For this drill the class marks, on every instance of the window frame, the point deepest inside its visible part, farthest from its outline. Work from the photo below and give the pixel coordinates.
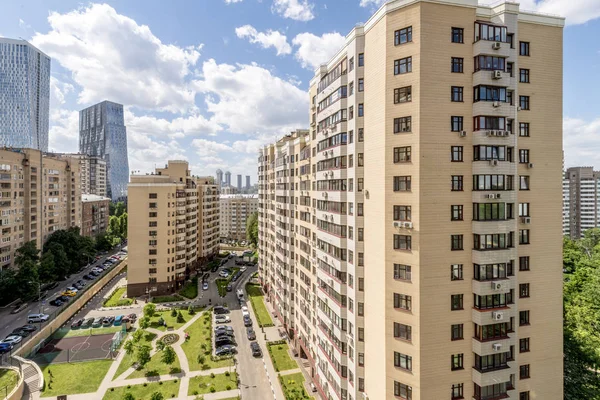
(402, 154)
(404, 92)
(403, 124)
(457, 123)
(401, 63)
(457, 302)
(398, 34)
(457, 151)
(456, 212)
(402, 272)
(524, 75)
(456, 272)
(457, 361)
(457, 332)
(458, 34)
(457, 65)
(524, 49)
(457, 94)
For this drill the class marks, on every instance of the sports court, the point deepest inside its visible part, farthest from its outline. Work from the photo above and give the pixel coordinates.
(78, 348)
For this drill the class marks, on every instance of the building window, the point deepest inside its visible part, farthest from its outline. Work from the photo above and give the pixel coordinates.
(152, 252)
(458, 35)
(361, 284)
(523, 48)
(523, 156)
(456, 272)
(152, 215)
(361, 384)
(524, 371)
(402, 124)
(524, 102)
(403, 66)
(524, 318)
(524, 182)
(524, 263)
(361, 110)
(361, 135)
(361, 234)
(523, 75)
(402, 183)
(457, 93)
(524, 395)
(523, 209)
(403, 35)
(361, 85)
(361, 60)
(402, 331)
(457, 183)
(457, 64)
(456, 302)
(151, 270)
(456, 123)
(403, 361)
(456, 212)
(403, 94)
(402, 272)
(456, 242)
(457, 332)
(361, 309)
(152, 196)
(360, 183)
(402, 242)
(350, 88)
(523, 290)
(523, 345)
(402, 213)
(360, 159)
(401, 154)
(351, 64)
(152, 224)
(456, 153)
(457, 361)
(523, 236)
(523, 128)
(403, 391)
(402, 301)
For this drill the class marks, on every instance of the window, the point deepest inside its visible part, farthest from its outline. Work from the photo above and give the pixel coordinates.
(402, 242)
(523, 236)
(152, 215)
(361, 334)
(403, 391)
(361, 85)
(361, 110)
(523, 128)
(403, 361)
(457, 332)
(489, 63)
(360, 183)
(524, 395)
(458, 35)
(402, 331)
(456, 153)
(524, 263)
(481, 122)
(493, 241)
(350, 88)
(402, 213)
(524, 182)
(524, 290)
(402, 124)
(360, 159)
(351, 64)
(457, 362)
(152, 252)
(524, 318)
(152, 224)
(523, 75)
(509, 68)
(152, 196)
(456, 212)
(524, 102)
(402, 272)
(524, 371)
(489, 93)
(361, 60)
(456, 242)
(523, 156)
(361, 234)
(359, 209)
(457, 64)
(485, 153)
(523, 48)
(402, 301)
(457, 93)
(456, 302)
(456, 272)
(403, 35)
(351, 112)
(151, 270)
(361, 134)
(523, 209)
(403, 94)
(487, 272)
(403, 66)
(457, 183)
(402, 183)
(361, 284)
(485, 31)
(523, 345)
(401, 154)
(456, 123)
(492, 211)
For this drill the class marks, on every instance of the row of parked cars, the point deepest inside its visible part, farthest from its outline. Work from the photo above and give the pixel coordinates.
(15, 337)
(97, 322)
(224, 335)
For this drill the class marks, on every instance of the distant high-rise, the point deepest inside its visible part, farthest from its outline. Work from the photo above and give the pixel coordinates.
(239, 182)
(227, 178)
(580, 201)
(219, 177)
(24, 95)
(247, 181)
(102, 132)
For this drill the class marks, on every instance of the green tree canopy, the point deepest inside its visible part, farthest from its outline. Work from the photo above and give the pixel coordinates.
(252, 228)
(143, 355)
(27, 252)
(168, 355)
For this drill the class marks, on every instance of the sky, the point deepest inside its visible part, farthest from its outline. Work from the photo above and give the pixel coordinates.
(211, 81)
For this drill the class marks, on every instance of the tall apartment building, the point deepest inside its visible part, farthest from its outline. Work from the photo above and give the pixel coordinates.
(227, 178)
(24, 95)
(94, 214)
(239, 182)
(102, 133)
(39, 194)
(235, 210)
(92, 173)
(581, 201)
(173, 220)
(435, 137)
(248, 185)
(219, 177)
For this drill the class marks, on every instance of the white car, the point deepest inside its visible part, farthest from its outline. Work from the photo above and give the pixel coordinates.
(245, 311)
(13, 339)
(243, 268)
(205, 286)
(37, 318)
(222, 319)
(224, 274)
(72, 289)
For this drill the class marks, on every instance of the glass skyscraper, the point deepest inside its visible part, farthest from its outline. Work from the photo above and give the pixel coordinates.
(102, 132)
(24, 95)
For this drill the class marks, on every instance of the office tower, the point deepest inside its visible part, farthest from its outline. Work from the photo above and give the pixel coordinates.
(102, 133)
(235, 210)
(94, 211)
(227, 178)
(219, 177)
(92, 173)
(248, 185)
(24, 95)
(39, 194)
(433, 200)
(239, 182)
(581, 202)
(172, 228)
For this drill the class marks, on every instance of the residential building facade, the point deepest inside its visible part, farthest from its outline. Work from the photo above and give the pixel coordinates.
(433, 205)
(581, 201)
(235, 210)
(102, 133)
(24, 95)
(93, 173)
(94, 214)
(208, 218)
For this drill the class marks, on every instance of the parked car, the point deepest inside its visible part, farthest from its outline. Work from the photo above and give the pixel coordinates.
(31, 318)
(97, 322)
(13, 339)
(64, 298)
(30, 328)
(87, 323)
(77, 324)
(256, 351)
(220, 310)
(229, 288)
(240, 294)
(88, 277)
(118, 320)
(245, 311)
(72, 289)
(243, 268)
(69, 293)
(250, 333)
(225, 328)
(206, 276)
(223, 261)
(222, 334)
(78, 286)
(224, 273)
(222, 319)
(5, 347)
(247, 320)
(19, 308)
(132, 317)
(224, 341)
(56, 302)
(20, 332)
(108, 321)
(225, 350)
(214, 268)
(205, 286)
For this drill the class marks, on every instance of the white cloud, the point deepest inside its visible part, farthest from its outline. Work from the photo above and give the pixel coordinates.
(576, 11)
(146, 153)
(299, 10)
(233, 1)
(206, 147)
(59, 90)
(367, 3)
(174, 128)
(64, 131)
(314, 50)
(112, 57)
(23, 24)
(581, 142)
(266, 39)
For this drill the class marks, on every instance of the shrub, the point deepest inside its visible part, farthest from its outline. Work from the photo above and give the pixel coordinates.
(160, 382)
(201, 359)
(191, 310)
(173, 312)
(112, 389)
(128, 386)
(212, 375)
(212, 390)
(228, 387)
(145, 384)
(227, 373)
(180, 318)
(195, 392)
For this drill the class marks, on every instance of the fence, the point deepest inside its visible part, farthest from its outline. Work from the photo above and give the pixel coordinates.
(9, 362)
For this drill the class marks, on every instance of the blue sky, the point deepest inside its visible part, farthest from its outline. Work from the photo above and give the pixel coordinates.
(212, 80)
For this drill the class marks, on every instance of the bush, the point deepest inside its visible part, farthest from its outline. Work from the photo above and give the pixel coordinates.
(145, 384)
(195, 393)
(180, 318)
(201, 359)
(191, 310)
(160, 382)
(173, 312)
(212, 375)
(228, 387)
(212, 390)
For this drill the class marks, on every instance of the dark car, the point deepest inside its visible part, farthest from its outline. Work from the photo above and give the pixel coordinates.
(87, 277)
(132, 317)
(19, 308)
(5, 347)
(218, 310)
(29, 328)
(256, 351)
(20, 332)
(214, 269)
(87, 323)
(108, 321)
(77, 324)
(229, 288)
(205, 276)
(251, 334)
(64, 299)
(56, 302)
(223, 341)
(223, 334)
(225, 350)
(247, 320)
(223, 328)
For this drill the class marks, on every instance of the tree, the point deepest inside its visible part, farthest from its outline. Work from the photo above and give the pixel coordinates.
(123, 225)
(120, 209)
(7, 286)
(180, 318)
(114, 226)
(128, 396)
(168, 356)
(27, 252)
(46, 269)
(252, 228)
(27, 280)
(160, 345)
(61, 261)
(144, 323)
(103, 242)
(173, 312)
(143, 355)
(149, 310)
(129, 347)
(137, 335)
(157, 396)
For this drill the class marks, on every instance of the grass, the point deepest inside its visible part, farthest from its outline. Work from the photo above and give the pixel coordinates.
(127, 361)
(281, 357)
(223, 282)
(258, 305)
(190, 289)
(293, 386)
(166, 299)
(169, 320)
(86, 332)
(8, 378)
(200, 334)
(206, 383)
(74, 378)
(116, 300)
(169, 390)
(156, 367)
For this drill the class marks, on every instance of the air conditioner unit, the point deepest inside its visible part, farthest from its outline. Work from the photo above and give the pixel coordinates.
(497, 346)
(462, 133)
(330, 282)
(526, 220)
(530, 165)
(490, 133)
(497, 74)
(497, 285)
(408, 225)
(493, 163)
(496, 104)
(498, 195)
(397, 224)
(496, 45)
(490, 196)
(497, 315)
(519, 108)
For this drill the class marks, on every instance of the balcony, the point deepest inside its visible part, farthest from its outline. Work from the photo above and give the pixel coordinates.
(493, 377)
(494, 109)
(492, 48)
(492, 316)
(493, 78)
(485, 288)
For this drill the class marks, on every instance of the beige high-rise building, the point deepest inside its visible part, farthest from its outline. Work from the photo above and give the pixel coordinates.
(39, 194)
(433, 209)
(235, 210)
(95, 213)
(173, 220)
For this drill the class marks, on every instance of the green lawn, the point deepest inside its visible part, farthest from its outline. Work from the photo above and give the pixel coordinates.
(167, 299)
(73, 378)
(258, 304)
(204, 384)
(169, 390)
(115, 299)
(171, 321)
(8, 380)
(190, 289)
(200, 333)
(156, 367)
(127, 361)
(293, 386)
(281, 357)
(86, 332)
